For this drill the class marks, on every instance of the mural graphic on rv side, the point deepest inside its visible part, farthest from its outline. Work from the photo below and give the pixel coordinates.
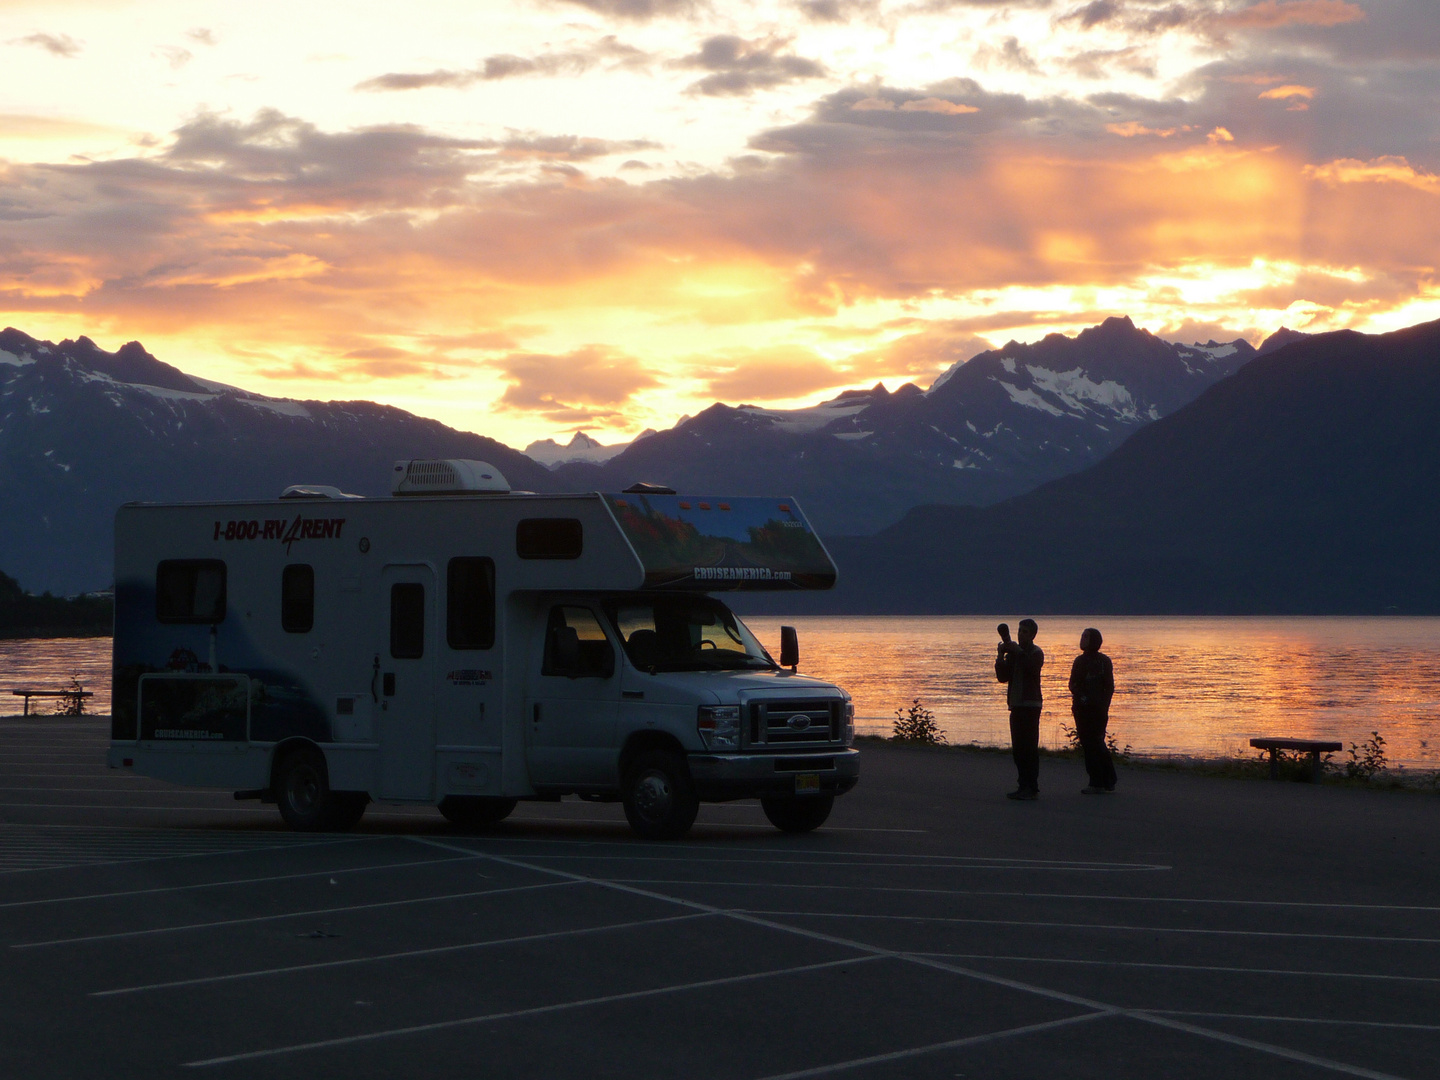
(712, 543)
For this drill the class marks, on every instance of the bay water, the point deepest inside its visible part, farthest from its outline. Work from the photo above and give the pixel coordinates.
(1185, 685)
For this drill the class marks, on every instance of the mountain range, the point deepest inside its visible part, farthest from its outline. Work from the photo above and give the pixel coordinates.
(1307, 482)
(83, 430)
(988, 428)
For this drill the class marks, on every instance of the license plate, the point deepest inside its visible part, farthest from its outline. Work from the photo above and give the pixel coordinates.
(807, 783)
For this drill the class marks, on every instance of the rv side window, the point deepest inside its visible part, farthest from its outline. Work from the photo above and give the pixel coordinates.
(190, 591)
(407, 620)
(576, 646)
(549, 538)
(297, 598)
(470, 603)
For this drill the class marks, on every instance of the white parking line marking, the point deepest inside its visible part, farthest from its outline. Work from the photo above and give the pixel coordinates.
(1010, 893)
(932, 1048)
(955, 969)
(433, 951)
(1298, 1019)
(285, 915)
(1188, 967)
(1115, 927)
(231, 881)
(87, 846)
(538, 1010)
(781, 846)
(976, 863)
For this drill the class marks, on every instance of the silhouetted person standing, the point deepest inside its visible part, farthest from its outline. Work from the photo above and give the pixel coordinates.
(1018, 663)
(1092, 685)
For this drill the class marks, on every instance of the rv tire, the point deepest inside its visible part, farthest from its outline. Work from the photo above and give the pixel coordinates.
(660, 800)
(302, 791)
(346, 810)
(475, 811)
(798, 814)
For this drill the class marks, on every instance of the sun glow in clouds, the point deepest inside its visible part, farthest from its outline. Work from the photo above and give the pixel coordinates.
(526, 217)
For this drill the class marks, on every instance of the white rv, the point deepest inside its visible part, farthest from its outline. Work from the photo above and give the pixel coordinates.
(464, 646)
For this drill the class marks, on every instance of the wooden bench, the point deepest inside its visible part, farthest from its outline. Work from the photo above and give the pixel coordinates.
(74, 696)
(1313, 747)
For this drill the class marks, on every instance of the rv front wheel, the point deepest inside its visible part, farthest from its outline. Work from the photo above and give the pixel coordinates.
(660, 801)
(798, 814)
(302, 791)
(475, 811)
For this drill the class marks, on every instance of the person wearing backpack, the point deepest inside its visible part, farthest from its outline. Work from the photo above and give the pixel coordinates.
(1092, 685)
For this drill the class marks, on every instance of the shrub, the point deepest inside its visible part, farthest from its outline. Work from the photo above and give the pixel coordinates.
(1367, 759)
(916, 724)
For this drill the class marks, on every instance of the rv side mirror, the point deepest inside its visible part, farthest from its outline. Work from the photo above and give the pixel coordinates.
(789, 648)
(567, 650)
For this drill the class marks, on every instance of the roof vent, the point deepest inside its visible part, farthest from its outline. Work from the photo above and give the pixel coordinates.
(316, 491)
(449, 476)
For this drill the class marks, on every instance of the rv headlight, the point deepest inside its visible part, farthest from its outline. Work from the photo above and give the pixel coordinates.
(719, 726)
(849, 723)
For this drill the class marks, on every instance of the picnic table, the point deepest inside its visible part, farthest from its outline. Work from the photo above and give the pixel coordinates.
(74, 696)
(1313, 747)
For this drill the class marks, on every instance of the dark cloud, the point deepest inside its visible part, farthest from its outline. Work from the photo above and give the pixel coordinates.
(55, 44)
(1010, 54)
(739, 66)
(607, 52)
(838, 11)
(640, 10)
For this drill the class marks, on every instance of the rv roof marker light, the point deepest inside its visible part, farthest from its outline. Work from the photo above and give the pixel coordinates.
(622, 504)
(724, 506)
(704, 506)
(316, 491)
(643, 488)
(784, 508)
(684, 506)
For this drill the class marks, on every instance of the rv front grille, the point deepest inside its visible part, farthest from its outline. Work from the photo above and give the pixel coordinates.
(795, 723)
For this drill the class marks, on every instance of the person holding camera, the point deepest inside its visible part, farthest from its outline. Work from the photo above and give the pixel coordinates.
(1018, 664)
(1092, 685)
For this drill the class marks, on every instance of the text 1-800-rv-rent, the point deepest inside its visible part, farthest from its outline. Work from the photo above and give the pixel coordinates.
(465, 646)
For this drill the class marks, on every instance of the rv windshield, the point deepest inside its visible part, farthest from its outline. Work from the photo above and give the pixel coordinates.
(684, 633)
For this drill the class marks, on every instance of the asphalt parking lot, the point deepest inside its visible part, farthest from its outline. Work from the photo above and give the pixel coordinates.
(1185, 927)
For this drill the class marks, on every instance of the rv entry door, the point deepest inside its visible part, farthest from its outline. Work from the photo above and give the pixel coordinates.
(406, 650)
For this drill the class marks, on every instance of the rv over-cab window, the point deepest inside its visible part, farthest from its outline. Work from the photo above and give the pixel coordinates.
(470, 603)
(549, 538)
(407, 620)
(190, 591)
(297, 598)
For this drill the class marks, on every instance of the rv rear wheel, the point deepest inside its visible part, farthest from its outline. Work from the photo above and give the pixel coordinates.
(798, 814)
(660, 801)
(475, 811)
(302, 791)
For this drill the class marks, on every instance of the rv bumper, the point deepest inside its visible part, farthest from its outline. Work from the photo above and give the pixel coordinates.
(748, 776)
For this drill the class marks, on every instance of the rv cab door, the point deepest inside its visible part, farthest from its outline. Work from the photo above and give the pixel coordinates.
(570, 736)
(405, 720)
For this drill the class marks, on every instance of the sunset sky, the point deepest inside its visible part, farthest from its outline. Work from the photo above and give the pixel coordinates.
(529, 217)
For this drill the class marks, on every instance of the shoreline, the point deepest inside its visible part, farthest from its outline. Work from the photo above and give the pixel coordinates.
(1245, 767)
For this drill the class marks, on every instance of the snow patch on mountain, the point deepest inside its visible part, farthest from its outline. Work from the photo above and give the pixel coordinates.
(1075, 389)
(805, 421)
(1029, 398)
(282, 406)
(581, 447)
(15, 361)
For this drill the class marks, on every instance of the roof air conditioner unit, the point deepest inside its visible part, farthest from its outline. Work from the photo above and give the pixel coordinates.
(448, 476)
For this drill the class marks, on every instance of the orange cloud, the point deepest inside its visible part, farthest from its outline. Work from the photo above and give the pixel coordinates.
(1290, 90)
(1270, 14)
